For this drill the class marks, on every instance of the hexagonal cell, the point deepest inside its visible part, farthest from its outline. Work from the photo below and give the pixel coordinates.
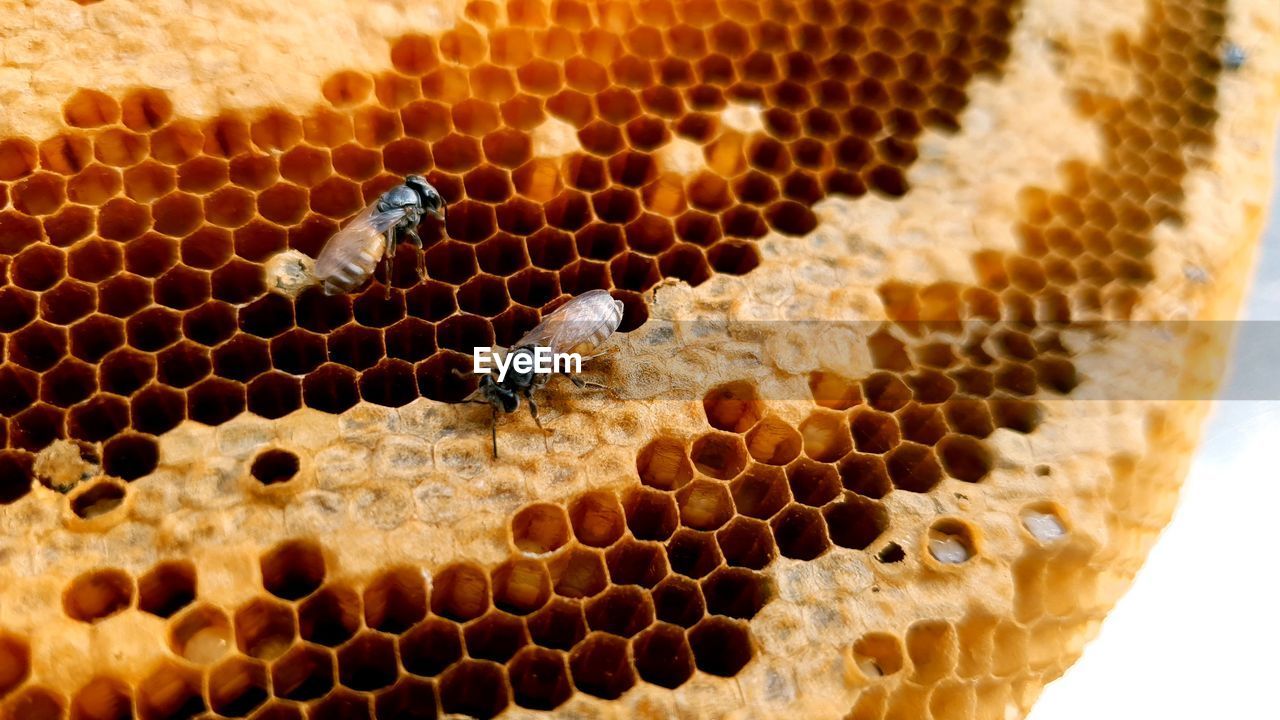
(578, 573)
(878, 654)
(38, 703)
(540, 528)
(38, 346)
(430, 647)
(952, 541)
(651, 515)
(597, 518)
(496, 636)
(521, 586)
(410, 699)
(98, 499)
(800, 532)
(601, 667)
(719, 455)
(855, 522)
(15, 662)
(167, 588)
(476, 688)
(913, 468)
(274, 395)
(330, 616)
(634, 562)
(368, 662)
(721, 646)
(622, 611)
(396, 599)
(102, 698)
(237, 687)
(201, 635)
(965, 458)
(97, 594)
(560, 624)
(69, 382)
(293, 569)
(171, 691)
(304, 673)
(460, 592)
(265, 628)
(813, 483)
(704, 504)
(760, 492)
(734, 406)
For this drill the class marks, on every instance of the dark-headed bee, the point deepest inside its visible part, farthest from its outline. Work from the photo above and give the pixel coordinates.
(579, 327)
(350, 256)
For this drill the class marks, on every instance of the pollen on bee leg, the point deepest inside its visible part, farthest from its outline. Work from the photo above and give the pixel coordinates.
(288, 273)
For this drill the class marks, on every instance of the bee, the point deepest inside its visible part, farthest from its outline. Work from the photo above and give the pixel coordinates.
(350, 256)
(579, 326)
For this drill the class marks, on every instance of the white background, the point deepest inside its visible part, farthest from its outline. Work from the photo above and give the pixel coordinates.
(1198, 635)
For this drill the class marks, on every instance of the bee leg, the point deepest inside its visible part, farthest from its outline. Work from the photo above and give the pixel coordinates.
(589, 384)
(422, 255)
(533, 410)
(493, 431)
(388, 259)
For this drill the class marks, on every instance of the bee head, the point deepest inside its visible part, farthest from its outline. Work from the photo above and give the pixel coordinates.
(497, 395)
(432, 203)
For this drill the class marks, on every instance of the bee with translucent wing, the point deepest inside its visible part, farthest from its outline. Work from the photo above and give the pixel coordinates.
(580, 326)
(350, 256)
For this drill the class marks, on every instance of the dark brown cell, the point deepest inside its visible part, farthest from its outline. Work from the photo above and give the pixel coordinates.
(855, 522)
(409, 699)
(69, 382)
(800, 533)
(560, 624)
(304, 673)
(747, 542)
(98, 419)
(477, 688)
(663, 656)
(167, 588)
(274, 394)
(721, 646)
(496, 636)
(103, 698)
(171, 691)
(693, 553)
(330, 616)
(601, 667)
(622, 610)
(430, 647)
(368, 662)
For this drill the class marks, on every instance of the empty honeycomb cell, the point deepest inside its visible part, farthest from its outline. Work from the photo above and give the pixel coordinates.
(855, 522)
(102, 698)
(356, 162)
(203, 175)
(578, 573)
(623, 610)
(17, 158)
(539, 679)
(800, 532)
(241, 358)
(237, 687)
(157, 409)
(600, 241)
(721, 646)
(36, 427)
(297, 351)
(94, 185)
(39, 194)
(601, 666)
(330, 616)
(704, 504)
(410, 699)
(293, 569)
(265, 628)
(560, 624)
(304, 673)
(878, 654)
(885, 391)
(760, 492)
(182, 364)
(153, 329)
(94, 260)
(97, 594)
(356, 347)
(736, 592)
(521, 586)
(201, 634)
(651, 515)
(718, 455)
(913, 468)
(98, 499)
(129, 456)
(67, 153)
(476, 688)
(813, 483)
(874, 432)
(636, 563)
(693, 553)
(17, 475)
(120, 148)
(430, 647)
(965, 458)
(37, 703)
(631, 271)
(18, 388)
(38, 267)
(368, 662)
(69, 382)
(253, 171)
(15, 662)
(390, 383)
(226, 136)
(540, 528)
(496, 636)
(773, 441)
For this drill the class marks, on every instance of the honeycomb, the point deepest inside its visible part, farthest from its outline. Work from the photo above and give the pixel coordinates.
(223, 501)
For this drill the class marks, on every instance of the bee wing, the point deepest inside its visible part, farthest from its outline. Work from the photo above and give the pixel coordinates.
(347, 245)
(579, 326)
